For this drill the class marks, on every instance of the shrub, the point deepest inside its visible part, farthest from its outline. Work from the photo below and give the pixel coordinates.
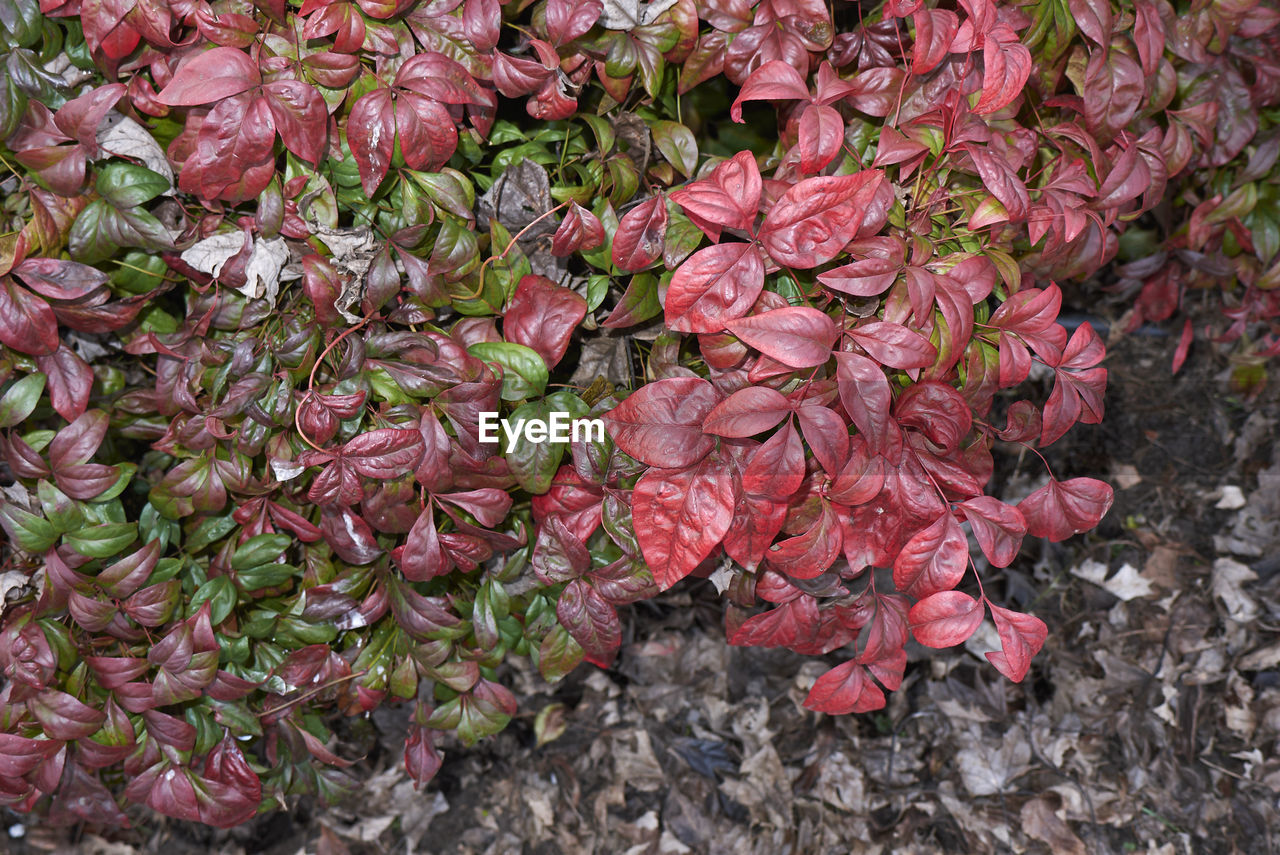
(269, 268)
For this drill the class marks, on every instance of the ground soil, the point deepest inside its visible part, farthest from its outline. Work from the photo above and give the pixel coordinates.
(1148, 724)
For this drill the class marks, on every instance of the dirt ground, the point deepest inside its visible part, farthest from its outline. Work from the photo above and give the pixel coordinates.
(1148, 724)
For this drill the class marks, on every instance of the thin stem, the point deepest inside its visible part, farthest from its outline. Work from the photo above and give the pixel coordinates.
(317, 690)
(473, 295)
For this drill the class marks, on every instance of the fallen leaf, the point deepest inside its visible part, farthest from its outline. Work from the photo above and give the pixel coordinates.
(1232, 498)
(1229, 577)
(1042, 822)
(1127, 583)
(123, 137)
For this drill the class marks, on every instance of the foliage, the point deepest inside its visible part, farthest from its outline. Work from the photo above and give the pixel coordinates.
(269, 263)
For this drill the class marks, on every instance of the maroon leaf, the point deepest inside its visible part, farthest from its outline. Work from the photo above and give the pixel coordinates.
(798, 336)
(866, 396)
(809, 554)
(27, 323)
(591, 621)
(945, 619)
(581, 231)
(569, 19)
(371, 133)
(300, 117)
(384, 453)
(933, 560)
(70, 381)
(1021, 637)
(226, 766)
(420, 757)
(543, 316)
(64, 717)
(58, 279)
(77, 442)
(681, 515)
(639, 239)
(815, 218)
(716, 285)
(747, 412)
(441, 79)
(422, 557)
(661, 422)
(1060, 509)
(349, 535)
(998, 527)
(828, 436)
(210, 76)
(729, 197)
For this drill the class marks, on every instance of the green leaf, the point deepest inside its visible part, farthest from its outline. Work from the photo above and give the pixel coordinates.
(20, 399)
(533, 464)
(220, 593)
(265, 576)
(209, 531)
(58, 507)
(126, 185)
(677, 144)
(524, 372)
(597, 290)
(31, 533)
(102, 541)
(558, 654)
(101, 230)
(259, 550)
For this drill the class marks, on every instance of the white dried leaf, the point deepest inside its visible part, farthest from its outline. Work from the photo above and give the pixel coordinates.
(1232, 498)
(1229, 578)
(286, 470)
(262, 273)
(1127, 583)
(123, 137)
(629, 14)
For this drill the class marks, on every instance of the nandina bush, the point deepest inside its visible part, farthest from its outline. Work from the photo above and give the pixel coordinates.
(269, 263)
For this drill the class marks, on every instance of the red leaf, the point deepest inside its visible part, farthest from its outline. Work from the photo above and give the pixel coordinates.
(427, 133)
(581, 231)
(821, 136)
(210, 76)
(28, 324)
(440, 78)
(781, 626)
(862, 477)
(772, 81)
(559, 555)
(543, 316)
(1148, 35)
(828, 436)
(798, 336)
(809, 554)
(998, 527)
(638, 242)
(776, 469)
(729, 197)
(937, 411)
(716, 285)
(934, 559)
(895, 345)
(935, 28)
(945, 619)
(680, 517)
(227, 766)
(349, 535)
(591, 621)
(371, 133)
(811, 223)
(1095, 20)
(420, 758)
(1003, 183)
(1061, 509)
(1184, 345)
(384, 453)
(756, 521)
(1006, 65)
(845, 689)
(300, 117)
(1021, 637)
(747, 412)
(865, 393)
(661, 422)
(868, 277)
(569, 19)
